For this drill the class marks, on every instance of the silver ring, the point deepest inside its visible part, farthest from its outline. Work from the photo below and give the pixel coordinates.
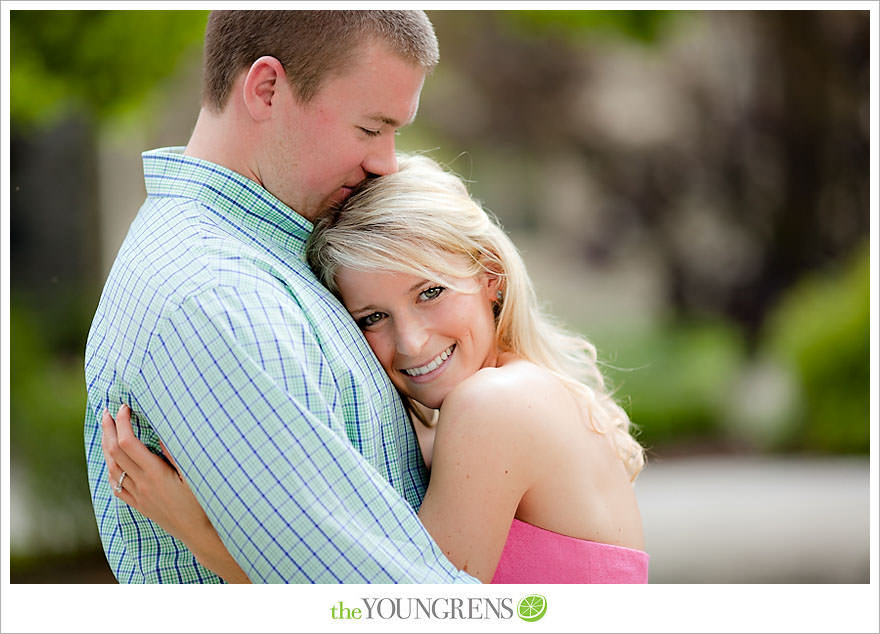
(118, 487)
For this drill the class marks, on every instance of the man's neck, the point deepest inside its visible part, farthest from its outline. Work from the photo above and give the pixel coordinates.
(221, 139)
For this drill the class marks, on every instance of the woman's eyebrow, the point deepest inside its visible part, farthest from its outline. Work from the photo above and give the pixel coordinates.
(417, 284)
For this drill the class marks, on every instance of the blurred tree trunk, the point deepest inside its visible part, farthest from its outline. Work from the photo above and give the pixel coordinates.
(818, 62)
(54, 230)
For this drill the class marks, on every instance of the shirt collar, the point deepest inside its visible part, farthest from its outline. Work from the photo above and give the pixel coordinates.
(245, 203)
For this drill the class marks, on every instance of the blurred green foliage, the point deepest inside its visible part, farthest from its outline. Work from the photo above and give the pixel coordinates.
(102, 62)
(820, 331)
(47, 404)
(639, 26)
(672, 381)
(678, 382)
(47, 401)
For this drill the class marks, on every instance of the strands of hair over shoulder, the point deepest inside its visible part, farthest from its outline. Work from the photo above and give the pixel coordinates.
(411, 222)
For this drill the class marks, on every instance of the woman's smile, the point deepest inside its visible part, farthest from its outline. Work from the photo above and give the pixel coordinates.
(432, 369)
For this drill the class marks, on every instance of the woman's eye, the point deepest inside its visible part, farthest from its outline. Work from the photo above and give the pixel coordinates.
(431, 293)
(369, 132)
(369, 320)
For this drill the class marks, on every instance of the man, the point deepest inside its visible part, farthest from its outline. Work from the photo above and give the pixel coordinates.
(227, 348)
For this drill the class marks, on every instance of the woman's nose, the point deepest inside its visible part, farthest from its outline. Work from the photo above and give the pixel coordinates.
(410, 336)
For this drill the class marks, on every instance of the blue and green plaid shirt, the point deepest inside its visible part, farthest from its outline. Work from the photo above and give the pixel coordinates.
(212, 327)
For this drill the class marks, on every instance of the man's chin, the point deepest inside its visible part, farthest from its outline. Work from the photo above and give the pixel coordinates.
(327, 211)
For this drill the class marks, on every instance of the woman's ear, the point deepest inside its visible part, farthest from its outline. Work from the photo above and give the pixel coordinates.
(494, 293)
(262, 85)
(492, 286)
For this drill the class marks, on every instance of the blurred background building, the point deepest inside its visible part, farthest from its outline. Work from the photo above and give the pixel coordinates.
(689, 189)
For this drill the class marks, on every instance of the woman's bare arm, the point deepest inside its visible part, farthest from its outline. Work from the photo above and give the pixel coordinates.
(481, 469)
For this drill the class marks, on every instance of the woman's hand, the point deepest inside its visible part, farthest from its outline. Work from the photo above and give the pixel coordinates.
(150, 485)
(147, 483)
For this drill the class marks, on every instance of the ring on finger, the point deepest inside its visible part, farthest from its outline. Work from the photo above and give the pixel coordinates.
(118, 487)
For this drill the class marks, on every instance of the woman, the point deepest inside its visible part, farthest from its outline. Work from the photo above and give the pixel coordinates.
(532, 461)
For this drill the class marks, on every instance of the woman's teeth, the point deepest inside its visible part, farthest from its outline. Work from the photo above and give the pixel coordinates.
(433, 365)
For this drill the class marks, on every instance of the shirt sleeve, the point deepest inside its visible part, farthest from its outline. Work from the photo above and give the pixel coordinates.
(233, 385)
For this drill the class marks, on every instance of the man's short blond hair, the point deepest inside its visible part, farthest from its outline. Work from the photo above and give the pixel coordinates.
(311, 45)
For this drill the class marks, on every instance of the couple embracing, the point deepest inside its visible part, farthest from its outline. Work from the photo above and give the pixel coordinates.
(325, 361)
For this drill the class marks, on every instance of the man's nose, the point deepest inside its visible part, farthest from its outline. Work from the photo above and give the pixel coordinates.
(382, 159)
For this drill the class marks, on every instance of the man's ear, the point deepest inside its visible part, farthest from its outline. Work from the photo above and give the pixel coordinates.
(262, 84)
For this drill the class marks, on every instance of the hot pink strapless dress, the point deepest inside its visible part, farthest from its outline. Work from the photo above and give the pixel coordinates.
(536, 555)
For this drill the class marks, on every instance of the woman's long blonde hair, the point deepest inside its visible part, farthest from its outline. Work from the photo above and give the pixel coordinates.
(410, 222)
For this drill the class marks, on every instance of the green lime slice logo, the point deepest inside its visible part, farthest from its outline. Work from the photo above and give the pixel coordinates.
(532, 607)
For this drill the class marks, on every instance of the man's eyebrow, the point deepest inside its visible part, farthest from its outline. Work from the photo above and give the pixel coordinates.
(394, 123)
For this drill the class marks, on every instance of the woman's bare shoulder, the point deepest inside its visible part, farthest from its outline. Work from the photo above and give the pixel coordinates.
(515, 396)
